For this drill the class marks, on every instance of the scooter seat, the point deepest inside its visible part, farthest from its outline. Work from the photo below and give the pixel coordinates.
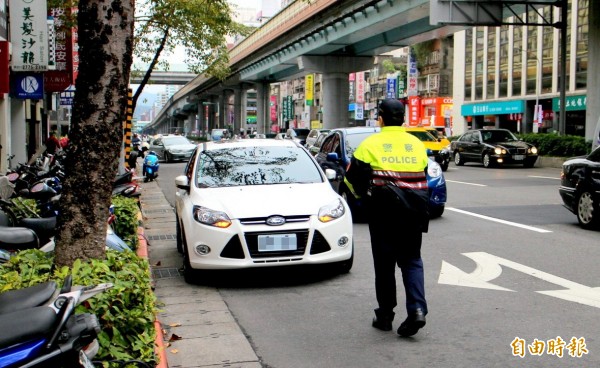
(24, 325)
(18, 238)
(29, 297)
(44, 227)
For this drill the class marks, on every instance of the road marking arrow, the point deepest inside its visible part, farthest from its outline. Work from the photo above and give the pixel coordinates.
(489, 267)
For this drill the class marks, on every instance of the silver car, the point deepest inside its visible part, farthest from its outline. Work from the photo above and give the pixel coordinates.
(170, 148)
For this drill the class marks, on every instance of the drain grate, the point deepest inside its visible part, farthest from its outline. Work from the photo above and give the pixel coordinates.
(159, 211)
(162, 237)
(165, 273)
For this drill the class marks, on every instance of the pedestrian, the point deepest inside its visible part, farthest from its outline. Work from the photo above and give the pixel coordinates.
(52, 143)
(388, 170)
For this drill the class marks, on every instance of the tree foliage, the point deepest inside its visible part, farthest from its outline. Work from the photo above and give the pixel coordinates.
(197, 26)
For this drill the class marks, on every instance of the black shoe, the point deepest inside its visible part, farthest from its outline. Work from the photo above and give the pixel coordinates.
(412, 323)
(383, 321)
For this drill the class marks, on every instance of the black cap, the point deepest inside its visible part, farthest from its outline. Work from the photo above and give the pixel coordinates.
(391, 111)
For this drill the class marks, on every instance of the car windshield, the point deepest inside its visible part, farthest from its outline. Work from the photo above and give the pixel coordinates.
(497, 136)
(240, 166)
(169, 141)
(423, 136)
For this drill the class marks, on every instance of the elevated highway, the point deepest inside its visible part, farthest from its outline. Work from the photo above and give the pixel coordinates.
(330, 37)
(163, 77)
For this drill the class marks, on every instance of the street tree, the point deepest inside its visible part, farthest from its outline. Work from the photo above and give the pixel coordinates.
(105, 30)
(199, 27)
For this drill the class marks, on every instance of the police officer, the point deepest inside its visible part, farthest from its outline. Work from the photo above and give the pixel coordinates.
(388, 171)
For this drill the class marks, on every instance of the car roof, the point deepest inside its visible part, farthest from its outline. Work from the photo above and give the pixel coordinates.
(357, 130)
(260, 142)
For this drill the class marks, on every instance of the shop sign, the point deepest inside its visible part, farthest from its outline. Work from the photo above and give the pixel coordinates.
(4, 67)
(391, 87)
(493, 108)
(309, 83)
(28, 86)
(359, 112)
(360, 87)
(29, 31)
(572, 103)
(66, 52)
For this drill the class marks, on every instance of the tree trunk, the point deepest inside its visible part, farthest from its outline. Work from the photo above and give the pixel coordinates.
(105, 31)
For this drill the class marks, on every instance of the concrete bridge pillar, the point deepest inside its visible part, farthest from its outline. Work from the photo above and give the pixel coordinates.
(335, 89)
(262, 103)
(222, 101)
(237, 110)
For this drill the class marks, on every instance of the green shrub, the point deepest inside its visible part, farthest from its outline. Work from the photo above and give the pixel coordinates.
(126, 311)
(127, 221)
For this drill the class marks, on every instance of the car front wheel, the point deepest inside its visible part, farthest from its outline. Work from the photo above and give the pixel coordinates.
(178, 238)
(487, 161)
(458, 160)
(168, 157)
(587, 211)
(346, 266)
(435, 212)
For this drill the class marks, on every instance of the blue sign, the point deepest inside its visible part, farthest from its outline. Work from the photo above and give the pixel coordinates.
(29, 86)
(493, 108)
(391, 88)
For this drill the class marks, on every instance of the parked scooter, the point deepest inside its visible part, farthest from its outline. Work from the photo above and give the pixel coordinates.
(39, 327)
(150, 167)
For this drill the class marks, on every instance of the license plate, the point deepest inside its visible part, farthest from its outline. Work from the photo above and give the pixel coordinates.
(84, 360)
(518, 157)
(277, 242)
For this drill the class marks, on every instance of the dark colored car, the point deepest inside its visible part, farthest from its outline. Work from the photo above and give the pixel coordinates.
(580, 188)
(337, 150)
(172, 147)
(297, 134)
(492, 147)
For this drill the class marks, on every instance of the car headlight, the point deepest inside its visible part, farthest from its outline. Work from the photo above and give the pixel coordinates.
(434, 169)
(211, 217)
(533, 150)
(499, 151)
(332, 211)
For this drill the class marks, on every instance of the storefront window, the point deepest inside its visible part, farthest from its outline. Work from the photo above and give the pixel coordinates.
(503, 76)
(491, 64)
(479, 46)
(533, 63)
(547, 53)
(517, 60)
(582, 44)
(468, 63)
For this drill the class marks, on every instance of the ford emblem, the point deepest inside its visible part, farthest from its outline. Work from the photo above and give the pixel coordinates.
(275, 220)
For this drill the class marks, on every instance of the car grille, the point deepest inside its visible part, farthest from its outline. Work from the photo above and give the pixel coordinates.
(252, 241)
(263, 220)
(520, 151)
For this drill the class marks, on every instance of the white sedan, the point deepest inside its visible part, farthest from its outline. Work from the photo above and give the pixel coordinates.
(259, 203)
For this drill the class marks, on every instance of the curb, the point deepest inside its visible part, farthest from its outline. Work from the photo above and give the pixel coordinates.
(160, 350)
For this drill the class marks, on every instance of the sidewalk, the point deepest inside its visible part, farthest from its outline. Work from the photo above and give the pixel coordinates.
(199, 330)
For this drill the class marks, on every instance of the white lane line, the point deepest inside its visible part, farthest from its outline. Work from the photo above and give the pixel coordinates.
(463, 182)
(510, 223)
(543, 177)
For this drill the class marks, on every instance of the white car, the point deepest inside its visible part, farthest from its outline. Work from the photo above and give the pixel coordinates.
(259, 203)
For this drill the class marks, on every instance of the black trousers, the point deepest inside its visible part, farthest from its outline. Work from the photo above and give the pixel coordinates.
(397, 243)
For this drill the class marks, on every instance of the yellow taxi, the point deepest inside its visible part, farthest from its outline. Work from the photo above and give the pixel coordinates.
(437, 146)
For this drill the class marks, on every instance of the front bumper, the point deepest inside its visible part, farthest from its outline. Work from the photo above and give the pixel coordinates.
(236, 247)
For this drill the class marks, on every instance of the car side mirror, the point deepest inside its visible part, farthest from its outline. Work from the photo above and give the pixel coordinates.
(182, 182)
(333, 157)
(330, 174)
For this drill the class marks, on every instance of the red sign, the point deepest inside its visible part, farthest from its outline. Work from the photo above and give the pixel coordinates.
(4, 68)
(66, 54)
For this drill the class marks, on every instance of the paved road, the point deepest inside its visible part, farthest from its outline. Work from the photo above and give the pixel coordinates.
(506, 263)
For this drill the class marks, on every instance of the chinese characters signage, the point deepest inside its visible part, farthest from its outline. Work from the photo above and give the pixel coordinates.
(572, 103)
(309, 83)
(360, 88)
(66, 55)
(29, 33)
